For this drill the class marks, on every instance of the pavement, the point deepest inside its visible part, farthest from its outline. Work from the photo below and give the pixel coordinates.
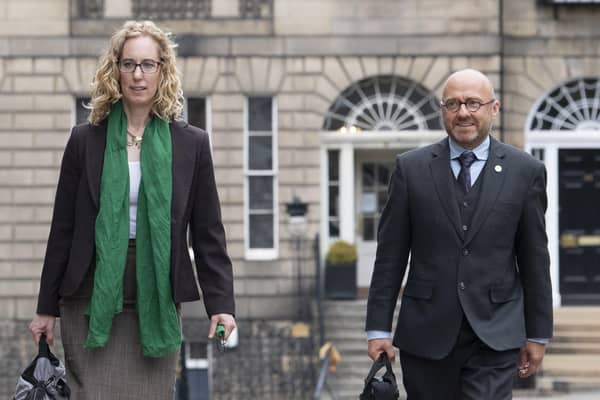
(595, 395)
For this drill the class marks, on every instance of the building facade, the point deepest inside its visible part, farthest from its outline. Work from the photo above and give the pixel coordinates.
(310, 99)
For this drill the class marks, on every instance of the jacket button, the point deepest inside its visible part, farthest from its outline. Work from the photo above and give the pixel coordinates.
(465, 252)
(464, 227)
(461, 286)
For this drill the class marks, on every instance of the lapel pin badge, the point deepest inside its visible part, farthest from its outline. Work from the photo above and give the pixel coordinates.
(498, 168)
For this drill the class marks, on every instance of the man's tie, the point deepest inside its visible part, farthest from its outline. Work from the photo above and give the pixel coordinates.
(464, 176)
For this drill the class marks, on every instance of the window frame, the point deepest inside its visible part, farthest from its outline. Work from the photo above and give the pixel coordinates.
(264, 253)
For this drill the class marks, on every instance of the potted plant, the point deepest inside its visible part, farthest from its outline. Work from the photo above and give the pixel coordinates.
(340, 271)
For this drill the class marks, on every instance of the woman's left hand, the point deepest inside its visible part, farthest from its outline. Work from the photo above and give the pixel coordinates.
(227, 320)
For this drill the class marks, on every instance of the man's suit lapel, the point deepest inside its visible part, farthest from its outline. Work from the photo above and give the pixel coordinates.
(444, 184)
(94, 156)
(494, 173)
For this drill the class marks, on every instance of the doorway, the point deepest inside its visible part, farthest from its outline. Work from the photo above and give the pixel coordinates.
(579, 225)
(373, 172)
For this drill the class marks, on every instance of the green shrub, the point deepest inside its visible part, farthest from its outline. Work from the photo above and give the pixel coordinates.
(341, 252)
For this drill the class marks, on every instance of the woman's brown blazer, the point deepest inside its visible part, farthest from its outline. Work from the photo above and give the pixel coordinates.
(195, 204)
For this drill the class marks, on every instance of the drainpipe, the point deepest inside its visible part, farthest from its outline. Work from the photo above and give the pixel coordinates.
(501, 50)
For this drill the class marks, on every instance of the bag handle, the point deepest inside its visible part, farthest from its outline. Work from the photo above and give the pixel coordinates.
(382, 361)
(43, 347)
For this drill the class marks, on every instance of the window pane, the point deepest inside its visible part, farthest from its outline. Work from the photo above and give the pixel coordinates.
(368, 228)
(334, 165)
(260, 156)
(259, 113)
(261, 231)
(261, 192)
(334, 201)
(334, 228)
(81, 113)
(368, 175)
(384, 175)
(196, 111)
(382, 196)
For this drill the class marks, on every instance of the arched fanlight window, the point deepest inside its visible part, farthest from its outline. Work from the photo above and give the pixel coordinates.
(384, 103)
(574, 105)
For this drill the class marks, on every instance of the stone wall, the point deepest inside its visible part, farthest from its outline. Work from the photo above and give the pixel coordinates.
(544, 47)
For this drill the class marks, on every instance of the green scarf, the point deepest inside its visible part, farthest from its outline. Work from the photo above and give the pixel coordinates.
(159, 322)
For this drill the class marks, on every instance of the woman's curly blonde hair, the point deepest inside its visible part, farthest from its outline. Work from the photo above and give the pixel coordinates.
(106, 89)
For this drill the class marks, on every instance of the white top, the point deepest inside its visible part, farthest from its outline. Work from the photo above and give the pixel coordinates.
(135, 177)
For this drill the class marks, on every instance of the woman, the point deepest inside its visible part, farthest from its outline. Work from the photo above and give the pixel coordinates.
(117, 266)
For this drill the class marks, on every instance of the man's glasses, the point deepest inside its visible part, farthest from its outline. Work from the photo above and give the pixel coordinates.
(146, 66)
(473, 105)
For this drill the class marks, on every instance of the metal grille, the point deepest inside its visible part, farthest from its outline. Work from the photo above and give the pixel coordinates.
(172, 9)
(268, 364)
(572, 106)
(91, 8)
(179, 9)
(384, 103)
(256, 9)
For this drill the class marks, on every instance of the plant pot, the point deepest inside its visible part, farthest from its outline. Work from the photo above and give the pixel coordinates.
(340, 281)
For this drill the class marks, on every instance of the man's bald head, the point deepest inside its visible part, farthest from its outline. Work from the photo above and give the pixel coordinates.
(470, 76)
(469, 126)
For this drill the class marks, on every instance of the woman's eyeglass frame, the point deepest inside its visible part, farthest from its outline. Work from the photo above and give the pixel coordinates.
(147, 66)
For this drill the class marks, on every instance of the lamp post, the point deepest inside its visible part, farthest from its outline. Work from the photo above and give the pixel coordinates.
(296, 211)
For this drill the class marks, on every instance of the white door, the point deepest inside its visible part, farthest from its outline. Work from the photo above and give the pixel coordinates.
(372, 178)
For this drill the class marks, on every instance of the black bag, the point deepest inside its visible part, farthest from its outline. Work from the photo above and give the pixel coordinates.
(380, 387)
(44, 378)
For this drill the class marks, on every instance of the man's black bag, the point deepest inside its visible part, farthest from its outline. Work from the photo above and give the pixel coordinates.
(44, 378)
(380, 387)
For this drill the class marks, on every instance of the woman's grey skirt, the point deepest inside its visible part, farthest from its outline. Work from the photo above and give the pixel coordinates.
(117, 371)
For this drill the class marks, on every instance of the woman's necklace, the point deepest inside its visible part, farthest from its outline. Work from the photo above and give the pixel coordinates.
(135, 140)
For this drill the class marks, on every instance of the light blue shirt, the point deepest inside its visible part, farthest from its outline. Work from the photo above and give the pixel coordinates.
(482, 151)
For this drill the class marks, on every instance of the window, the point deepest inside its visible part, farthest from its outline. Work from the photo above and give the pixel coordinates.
(375, 178)
(81, 113)
(196, 112)
(260, 184)
(384, 103)
(334, 193)
(571, 106)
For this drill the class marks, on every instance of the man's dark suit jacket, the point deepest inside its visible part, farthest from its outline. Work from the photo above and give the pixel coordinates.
(195, 203)
(496, 273)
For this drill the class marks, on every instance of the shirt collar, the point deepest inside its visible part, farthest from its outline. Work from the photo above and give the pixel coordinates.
(480, 151)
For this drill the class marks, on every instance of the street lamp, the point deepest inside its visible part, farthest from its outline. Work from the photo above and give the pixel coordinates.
(296, 211)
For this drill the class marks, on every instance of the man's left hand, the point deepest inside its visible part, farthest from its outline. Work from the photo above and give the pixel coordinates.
(227, 320)
(530, 358)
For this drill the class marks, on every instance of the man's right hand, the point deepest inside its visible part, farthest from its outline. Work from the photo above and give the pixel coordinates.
(42, 324)
(378, 346)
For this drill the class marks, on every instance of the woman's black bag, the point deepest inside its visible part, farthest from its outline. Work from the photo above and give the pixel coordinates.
(380, 387)
(44, 378)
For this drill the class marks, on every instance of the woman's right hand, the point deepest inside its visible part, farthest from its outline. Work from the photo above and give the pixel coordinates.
(42, 324)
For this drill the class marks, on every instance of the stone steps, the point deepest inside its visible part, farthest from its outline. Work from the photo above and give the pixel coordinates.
(572, 361)
(345, 328)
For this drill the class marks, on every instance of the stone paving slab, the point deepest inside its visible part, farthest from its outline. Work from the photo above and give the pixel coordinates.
(595, 395)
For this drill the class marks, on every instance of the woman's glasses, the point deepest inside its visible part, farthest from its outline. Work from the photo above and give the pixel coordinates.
(146, 66)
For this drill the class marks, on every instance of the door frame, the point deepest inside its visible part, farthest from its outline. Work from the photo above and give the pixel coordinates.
(550, 142)
(347, 143)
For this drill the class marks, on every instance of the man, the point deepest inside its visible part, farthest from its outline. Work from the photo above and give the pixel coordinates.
(470, 212)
